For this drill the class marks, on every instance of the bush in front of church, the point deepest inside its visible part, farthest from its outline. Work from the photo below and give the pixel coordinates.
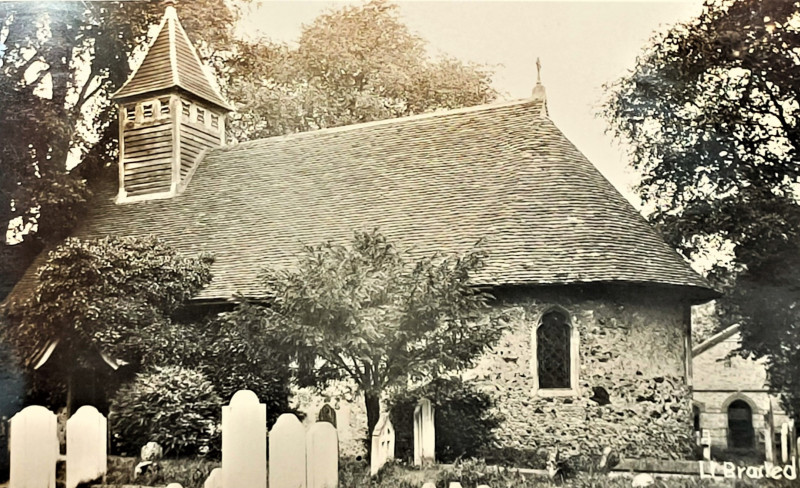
(174, 406)
(463, 419)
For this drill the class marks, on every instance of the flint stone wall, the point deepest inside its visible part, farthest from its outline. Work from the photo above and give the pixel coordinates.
(632, 344)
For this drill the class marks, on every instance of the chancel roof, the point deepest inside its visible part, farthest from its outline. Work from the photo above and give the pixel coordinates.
(503, 175)
(171, 62)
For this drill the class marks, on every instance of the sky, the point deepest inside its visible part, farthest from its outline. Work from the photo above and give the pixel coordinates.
(582, 45)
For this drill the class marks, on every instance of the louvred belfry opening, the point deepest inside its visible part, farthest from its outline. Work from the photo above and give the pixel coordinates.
(169, 113)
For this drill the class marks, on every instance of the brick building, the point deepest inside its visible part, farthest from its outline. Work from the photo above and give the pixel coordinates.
(732, 399)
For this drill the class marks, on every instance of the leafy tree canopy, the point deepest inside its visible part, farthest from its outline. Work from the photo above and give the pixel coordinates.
(712, 116)
(113, 294)
(370, 313)
(59, 61)
(354, 64)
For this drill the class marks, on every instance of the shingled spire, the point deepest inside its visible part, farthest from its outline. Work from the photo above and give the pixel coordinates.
(170, 113)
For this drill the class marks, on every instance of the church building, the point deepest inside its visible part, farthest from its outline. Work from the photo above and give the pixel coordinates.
(598, 352)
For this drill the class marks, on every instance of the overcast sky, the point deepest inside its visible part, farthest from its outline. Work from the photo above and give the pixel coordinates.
(582, 45)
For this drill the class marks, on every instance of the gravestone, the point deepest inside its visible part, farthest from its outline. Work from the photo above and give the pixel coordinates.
(34, 448)
(327, 414)
(785, 442)
(705, 442)
(287, 453)
(87, 438)
(244, 441)
(382, 444)
(424, 434)
(322, 456)
(214, 479)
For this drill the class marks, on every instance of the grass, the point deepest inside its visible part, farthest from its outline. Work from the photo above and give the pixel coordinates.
(189, 472)
(192, 473)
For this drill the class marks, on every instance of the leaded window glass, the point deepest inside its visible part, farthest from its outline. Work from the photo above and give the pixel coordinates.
(553, 351)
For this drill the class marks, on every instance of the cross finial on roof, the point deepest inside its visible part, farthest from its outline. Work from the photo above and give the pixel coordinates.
(538, 71)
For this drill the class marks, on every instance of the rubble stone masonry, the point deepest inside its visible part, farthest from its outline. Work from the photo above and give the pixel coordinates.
(632, 346)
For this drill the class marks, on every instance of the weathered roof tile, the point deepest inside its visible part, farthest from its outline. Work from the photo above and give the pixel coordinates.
(501, 174)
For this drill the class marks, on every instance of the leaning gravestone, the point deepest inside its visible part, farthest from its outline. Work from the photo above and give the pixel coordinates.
(322, 456)
(87, 435)
(34, 448)
(287, 453)
(382, 444)
(424, 434)
(244, 442)
(327, 414)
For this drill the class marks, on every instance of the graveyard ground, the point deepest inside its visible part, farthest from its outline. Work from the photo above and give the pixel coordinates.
(192, 472)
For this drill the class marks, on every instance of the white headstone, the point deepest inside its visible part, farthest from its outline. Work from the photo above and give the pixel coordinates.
(322, 456)
(785, 442)
(429, 484)
(483, 486)
(214, 479)
(424, 434)
(33, 445)
(705, 441)
(769, 444)
(174, 485)
(287, 453)
(382, 444)
(87, 453)
(455, 484)
(244, 441)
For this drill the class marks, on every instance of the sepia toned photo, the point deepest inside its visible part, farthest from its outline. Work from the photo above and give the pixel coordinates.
(396, 243)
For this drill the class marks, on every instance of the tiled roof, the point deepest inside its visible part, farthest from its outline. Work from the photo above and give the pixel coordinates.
(503, 174)
(171, 62)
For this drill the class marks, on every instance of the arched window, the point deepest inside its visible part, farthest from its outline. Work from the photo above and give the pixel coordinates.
(554, 364)
(740, 425)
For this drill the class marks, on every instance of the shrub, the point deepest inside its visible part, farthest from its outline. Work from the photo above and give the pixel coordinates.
(174, 406)
(463, 419)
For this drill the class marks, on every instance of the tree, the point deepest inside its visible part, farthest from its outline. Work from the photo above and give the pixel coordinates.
(369, 313)
(114, 295)
(711, 115)
(59, 62)
(354, 64)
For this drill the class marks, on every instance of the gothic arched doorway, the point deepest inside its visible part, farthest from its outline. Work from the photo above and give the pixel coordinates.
(741, 434)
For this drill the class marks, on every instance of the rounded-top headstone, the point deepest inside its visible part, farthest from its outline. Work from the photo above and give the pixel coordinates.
(327, 414)
(244, 397)
(174, 485)
(86, 410)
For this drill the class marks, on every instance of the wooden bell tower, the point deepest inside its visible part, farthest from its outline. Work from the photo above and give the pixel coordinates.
(169, 113)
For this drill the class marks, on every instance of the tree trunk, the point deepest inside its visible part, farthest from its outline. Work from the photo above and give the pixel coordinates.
(373, 404)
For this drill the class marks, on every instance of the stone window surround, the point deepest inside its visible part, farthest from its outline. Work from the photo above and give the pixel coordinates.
(574, 356)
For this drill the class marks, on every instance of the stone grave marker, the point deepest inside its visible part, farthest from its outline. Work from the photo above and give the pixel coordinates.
(424, 433)
(382, 443)
(244, 441)
(322, 456)
(34, 448)
(327, 414)
(87, 449)
(287, 453)
(214, 479)
(785, 442)
(705, 442)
